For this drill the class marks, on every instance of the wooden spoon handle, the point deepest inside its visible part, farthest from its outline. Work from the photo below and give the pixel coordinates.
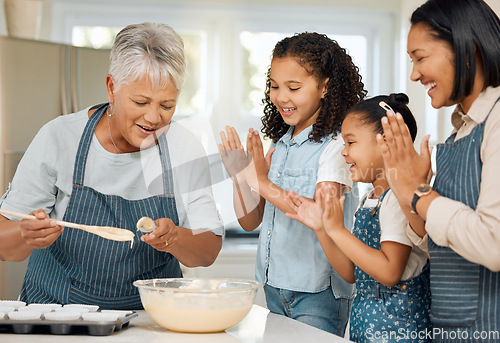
(16, 214)
(88, 228)
(59, 222)
(107, 232)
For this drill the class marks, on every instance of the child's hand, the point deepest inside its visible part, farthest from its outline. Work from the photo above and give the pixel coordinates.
(258, 170)
(333, 215)
(233, 155)
(307, 211)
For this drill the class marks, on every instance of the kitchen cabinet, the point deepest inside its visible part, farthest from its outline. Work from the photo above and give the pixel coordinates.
(39, 81)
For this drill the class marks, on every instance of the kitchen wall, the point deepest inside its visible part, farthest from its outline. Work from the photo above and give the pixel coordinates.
(48, 5)
(430, 120)
(53, 29)
(427, 118)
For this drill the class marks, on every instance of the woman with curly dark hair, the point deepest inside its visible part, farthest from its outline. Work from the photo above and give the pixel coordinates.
(311, 84)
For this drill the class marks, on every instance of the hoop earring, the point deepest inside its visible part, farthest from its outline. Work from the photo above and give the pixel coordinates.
(111, 110)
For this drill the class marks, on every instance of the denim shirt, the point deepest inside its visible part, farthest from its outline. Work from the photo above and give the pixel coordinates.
(289, 255)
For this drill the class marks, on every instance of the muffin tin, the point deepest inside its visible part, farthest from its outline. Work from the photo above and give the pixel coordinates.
(63, 322)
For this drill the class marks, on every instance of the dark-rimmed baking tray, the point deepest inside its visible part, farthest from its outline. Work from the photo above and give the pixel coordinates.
(70, 327)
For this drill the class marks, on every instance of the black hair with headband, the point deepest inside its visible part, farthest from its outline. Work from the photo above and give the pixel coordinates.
(370, 112)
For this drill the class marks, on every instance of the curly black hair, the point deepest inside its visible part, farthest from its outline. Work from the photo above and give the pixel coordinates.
(323, 58)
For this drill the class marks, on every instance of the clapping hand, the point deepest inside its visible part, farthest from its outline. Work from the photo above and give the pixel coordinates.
(259, 168)
(234, 157)
(405, 167)
(307, 211)
(333, 215)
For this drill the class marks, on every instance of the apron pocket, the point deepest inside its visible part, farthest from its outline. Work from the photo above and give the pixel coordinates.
(395, 305)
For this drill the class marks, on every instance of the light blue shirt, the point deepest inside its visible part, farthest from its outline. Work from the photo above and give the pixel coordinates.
(289, 255)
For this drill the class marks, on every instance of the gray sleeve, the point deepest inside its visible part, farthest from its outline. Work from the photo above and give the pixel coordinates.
(33, 185)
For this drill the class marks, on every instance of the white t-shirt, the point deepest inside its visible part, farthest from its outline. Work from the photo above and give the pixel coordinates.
(44, 177)
(393, 227)
(332, 165)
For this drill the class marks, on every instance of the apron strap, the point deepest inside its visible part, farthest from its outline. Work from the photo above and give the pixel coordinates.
(84, 145)
(168, 180)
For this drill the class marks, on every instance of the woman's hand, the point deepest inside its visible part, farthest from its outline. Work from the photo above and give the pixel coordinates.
(233, 155)
(333, 215)
(164, 237)
(192, 248)
(257, 171)
(307, 211)
(405, 168)
(40, 233)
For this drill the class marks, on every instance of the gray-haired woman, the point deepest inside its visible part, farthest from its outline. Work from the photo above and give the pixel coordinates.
(110, 165)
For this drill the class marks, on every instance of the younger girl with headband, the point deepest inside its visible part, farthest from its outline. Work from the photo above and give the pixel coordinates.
(391, 273)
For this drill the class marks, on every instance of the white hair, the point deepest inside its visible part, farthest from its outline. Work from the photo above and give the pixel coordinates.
(149, 50)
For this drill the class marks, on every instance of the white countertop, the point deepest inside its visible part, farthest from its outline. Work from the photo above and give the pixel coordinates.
(258, 326)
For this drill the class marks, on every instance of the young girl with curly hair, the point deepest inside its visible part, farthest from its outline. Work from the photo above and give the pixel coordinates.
(311, 84)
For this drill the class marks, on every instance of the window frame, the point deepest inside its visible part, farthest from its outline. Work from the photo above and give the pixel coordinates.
(223, 24)
(223, 53)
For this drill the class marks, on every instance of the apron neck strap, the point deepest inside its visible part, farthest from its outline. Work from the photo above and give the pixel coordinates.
(86, 140)
(84, 145)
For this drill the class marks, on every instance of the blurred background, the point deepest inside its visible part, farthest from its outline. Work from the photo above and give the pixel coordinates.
(54, 59)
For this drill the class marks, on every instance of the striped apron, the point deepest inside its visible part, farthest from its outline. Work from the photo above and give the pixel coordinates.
(84, 268)
(465, 295)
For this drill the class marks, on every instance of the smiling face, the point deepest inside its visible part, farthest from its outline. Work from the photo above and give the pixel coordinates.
(361, 151)
(433, 64)
(139, 112)
(295, 93)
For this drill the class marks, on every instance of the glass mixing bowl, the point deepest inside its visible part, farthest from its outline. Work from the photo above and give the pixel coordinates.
(197, 305)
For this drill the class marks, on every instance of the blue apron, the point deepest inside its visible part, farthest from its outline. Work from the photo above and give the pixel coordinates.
(387, 314)
(84, 268)
(465, 295)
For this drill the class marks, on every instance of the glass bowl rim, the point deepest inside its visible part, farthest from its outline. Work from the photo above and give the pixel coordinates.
(252, 285)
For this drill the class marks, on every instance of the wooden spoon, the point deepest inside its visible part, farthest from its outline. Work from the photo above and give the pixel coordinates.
(108, 232)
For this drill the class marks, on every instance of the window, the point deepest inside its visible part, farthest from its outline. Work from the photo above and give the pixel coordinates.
(257, 48)
(192, 97)
(228, 51)
(97, 37)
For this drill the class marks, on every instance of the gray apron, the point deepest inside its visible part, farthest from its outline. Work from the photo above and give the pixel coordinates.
(465, 295)
(87, 269)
